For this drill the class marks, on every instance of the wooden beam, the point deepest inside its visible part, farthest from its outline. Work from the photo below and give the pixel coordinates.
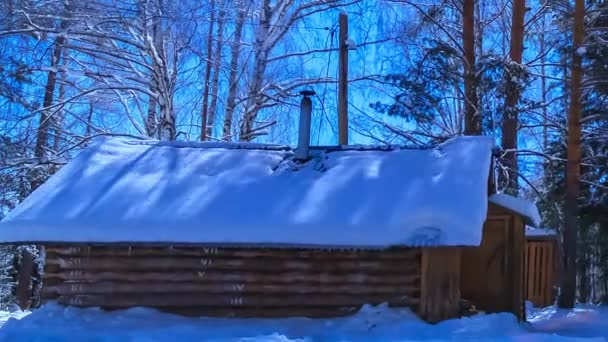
(228, 264)
(215, 276)
(517, 267)
(197, 299)
(107, 287)
(266, 312)
(343, 81)
(399, 254)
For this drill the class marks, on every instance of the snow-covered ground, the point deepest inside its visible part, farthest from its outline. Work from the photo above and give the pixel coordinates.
(55, 323)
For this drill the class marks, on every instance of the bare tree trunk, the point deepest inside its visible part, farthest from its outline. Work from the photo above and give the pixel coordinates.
(232, 78)
(254, 99)
(209, 63)
(42, 135)
(168, 121)
(543, 85)
(58, 120)
(511, 112)
(459, 108)
(573, 164)
(164, 78)
(479, 34)
(151, 28)
(216, 67)
(151, 121)
(89, 120)
(584, 285)
(472, 124)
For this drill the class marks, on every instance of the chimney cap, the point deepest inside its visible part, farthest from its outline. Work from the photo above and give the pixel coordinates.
(307, 92)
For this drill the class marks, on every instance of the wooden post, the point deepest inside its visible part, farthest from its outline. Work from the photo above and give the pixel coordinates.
(343, 82)
(516, 260)
(491, 177)
(440, 284)
(24, 280)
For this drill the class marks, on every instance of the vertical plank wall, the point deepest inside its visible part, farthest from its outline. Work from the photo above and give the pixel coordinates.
(440, 284)
(540, 275)
(492, 274)
(485, 277)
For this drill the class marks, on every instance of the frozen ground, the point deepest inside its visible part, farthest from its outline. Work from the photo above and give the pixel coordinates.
(54, 323)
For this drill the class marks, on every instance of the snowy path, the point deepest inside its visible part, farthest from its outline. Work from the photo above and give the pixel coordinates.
(54, 323)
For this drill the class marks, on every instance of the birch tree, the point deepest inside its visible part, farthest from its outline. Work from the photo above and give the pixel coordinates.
(217, 62)
(235, 54)
(275, 19)
(208, 69)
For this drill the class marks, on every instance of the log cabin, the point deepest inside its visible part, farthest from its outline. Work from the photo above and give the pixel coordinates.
(255, 230)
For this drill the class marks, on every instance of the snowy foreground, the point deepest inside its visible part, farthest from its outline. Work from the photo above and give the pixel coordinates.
(55, 323)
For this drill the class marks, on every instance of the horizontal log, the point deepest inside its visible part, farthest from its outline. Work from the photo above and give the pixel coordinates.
(252, 312)
(549, 239)
(227, 277)
(74, 288)
(231, 252)
(46, 296)
(212, 263)
(266, 312)
(259, 301)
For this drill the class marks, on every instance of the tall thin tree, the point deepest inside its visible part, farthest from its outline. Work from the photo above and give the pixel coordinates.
(472, 118)
(573, 164)
(510, 120)
(208, 67)
(233, 85)
(42, 135)
(216, 70)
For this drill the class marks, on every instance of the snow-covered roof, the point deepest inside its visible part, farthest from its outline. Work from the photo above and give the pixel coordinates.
(119, 190)
(526, 208)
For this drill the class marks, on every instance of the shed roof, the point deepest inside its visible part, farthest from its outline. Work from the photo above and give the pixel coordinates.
(526, 208)
(135, 191)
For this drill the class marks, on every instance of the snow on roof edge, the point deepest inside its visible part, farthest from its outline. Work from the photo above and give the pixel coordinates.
(393, 147)
(279, 147)
(203, 144)
(524, 207)
(540, 232)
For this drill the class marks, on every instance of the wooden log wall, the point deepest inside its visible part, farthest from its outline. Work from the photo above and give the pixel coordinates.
(236, 282)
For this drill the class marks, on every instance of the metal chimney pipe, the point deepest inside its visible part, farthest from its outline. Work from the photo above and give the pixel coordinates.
(301, 152)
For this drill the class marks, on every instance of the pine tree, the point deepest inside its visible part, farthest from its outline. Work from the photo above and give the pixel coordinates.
(511, 112)
(568, 289)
